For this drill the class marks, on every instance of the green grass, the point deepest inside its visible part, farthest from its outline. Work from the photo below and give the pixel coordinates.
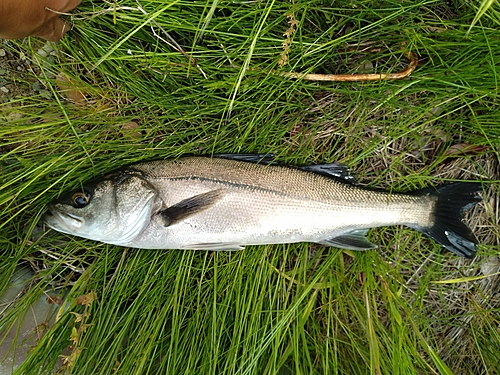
(407, 308)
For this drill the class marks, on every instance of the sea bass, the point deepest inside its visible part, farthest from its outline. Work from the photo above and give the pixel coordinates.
(229, 201)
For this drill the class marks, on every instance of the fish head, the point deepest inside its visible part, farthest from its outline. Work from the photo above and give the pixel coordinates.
(113, 210)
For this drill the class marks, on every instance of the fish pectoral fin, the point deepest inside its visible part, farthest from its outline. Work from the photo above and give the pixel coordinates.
(265, 159)
(190, 206)
(354, 240)
(216, 246)
(337, 171)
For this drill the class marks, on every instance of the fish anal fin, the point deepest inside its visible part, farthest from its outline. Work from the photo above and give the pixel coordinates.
(216, 246)
(337, 171)
(190, 206)
(354, 240)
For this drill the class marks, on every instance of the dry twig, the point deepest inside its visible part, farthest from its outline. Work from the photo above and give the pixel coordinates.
(410, 56)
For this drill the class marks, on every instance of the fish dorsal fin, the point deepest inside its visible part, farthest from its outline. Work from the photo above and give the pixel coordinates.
(337, 171)
(190, 206)
(354, 240)
(265, 159)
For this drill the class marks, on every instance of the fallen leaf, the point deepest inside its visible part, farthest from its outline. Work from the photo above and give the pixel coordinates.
(130, 130)
(461, 149)
(54, 300)
(86, 299)
(69, 89)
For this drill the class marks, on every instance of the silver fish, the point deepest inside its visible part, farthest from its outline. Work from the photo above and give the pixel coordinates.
(227, 202)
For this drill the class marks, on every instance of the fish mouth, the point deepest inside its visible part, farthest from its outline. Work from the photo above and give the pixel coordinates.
(62, 221)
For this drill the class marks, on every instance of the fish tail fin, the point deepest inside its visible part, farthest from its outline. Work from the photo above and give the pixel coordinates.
(449, 230)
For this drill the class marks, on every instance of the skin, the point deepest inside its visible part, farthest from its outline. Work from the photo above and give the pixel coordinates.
(22, 18)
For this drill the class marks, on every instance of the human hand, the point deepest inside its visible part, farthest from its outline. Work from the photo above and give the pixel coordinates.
(22, 18)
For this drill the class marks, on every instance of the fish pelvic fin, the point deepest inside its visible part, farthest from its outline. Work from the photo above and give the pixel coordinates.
(449, 230)
(216, 246)
(190, 206)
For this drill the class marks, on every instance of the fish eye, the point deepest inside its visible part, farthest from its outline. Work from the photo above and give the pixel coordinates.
(80, 199)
